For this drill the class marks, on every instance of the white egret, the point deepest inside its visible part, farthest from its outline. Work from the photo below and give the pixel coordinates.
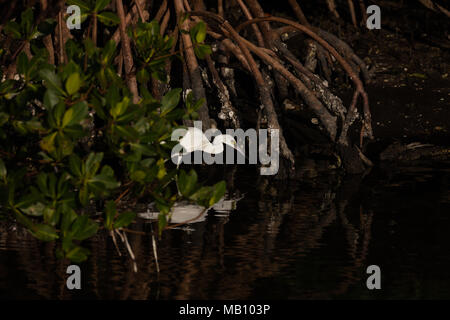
(196, 140)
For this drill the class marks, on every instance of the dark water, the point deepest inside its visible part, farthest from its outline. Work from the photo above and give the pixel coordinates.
(306, 239)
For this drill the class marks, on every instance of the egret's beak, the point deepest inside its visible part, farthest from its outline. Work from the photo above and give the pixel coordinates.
(239, 149)
(232, 143)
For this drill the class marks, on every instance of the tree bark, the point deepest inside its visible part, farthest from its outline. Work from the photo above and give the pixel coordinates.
(127, 55)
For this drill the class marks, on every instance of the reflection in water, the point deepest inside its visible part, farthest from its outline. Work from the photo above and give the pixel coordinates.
(188, 213)
(311, 238)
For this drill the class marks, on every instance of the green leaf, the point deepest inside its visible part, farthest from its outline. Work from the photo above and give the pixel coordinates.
(105, 179)
(41, 181)
(202, 195)
(77, 254)
(202, 50)
(107, 171)
(48, 143)
(143, 149)
(219, 190)
(162, 222)
(108, 18)
(124, 219)
(83, 228)
(69, 216)
(110, 214)
(58, 112)
(34, 125)
(4, 117)
(127, 132)
(44, 232)
(418, 75)
(108, 51)
(142, 76)
(198, 32)
(186, 183)
(68, 115)
(83, 196)
(108, 181)
(51, 80)
(120, 107)
(22, 63)
(13, 28)
(51, 98)
(73, 83)
(35, 210)
(52, 185)
(75, 165)
(138, 175)
(75, 114)
(51, 216)
(154, 28)
(93, 163)
(100, 5)
(19, 126)
(64, 144)
(170, 101)
(83, 5)
(27, 21)
(161, 169)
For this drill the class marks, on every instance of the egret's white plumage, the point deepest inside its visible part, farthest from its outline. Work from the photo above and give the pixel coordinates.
(196, 140)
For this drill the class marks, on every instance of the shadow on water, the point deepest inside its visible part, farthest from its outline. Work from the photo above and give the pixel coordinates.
(310, 238)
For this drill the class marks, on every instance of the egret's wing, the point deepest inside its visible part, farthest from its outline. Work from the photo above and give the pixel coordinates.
(192, 140)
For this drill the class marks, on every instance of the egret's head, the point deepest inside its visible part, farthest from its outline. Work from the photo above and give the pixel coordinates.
(229, 140)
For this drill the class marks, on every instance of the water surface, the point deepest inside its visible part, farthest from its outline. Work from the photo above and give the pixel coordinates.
(309, 238)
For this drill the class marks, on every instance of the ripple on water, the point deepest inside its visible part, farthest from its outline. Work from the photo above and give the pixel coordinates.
(307, 239)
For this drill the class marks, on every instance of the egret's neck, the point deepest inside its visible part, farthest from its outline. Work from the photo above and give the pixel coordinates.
(216, 146)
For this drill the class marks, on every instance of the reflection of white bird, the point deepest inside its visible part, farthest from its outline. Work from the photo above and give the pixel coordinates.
(180, 212)
(196, 140)
(185, 212)
(225, 206)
